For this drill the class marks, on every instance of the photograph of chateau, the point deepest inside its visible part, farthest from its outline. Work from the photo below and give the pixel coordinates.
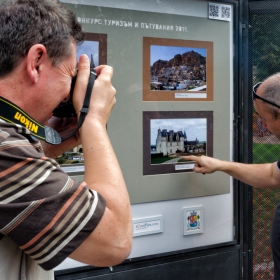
(173, 138)
(177, 68)
(170, 135)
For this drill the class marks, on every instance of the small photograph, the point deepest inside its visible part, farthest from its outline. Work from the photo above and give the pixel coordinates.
(95, 47)
(177, 70)
(91, 49)
(171, 139)
(169, 136)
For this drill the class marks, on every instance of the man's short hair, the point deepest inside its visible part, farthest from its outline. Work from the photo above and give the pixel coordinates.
(24, 23)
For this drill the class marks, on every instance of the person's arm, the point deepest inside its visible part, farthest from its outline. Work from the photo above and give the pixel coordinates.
(65, 127)
(257, 175)
(111, 241)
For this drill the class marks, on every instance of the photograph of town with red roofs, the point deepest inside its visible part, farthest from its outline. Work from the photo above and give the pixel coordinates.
(170, 139)
(177, 68)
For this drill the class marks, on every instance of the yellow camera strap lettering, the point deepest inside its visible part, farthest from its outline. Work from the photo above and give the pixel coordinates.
(11, 113)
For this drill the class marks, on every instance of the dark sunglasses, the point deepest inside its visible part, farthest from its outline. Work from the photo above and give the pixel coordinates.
(255, 96)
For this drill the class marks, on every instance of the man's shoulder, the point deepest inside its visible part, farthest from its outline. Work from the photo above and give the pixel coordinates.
(17, 136)
(8, 130)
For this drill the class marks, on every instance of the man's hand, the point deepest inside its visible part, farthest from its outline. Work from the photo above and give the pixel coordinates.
(103, 93)
(204, 164)
(65, 127)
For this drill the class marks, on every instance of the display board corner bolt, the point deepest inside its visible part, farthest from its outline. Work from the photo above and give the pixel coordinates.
(245, 26)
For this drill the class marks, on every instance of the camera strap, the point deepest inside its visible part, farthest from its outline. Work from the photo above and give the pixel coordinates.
(11, 113)
(85, 108)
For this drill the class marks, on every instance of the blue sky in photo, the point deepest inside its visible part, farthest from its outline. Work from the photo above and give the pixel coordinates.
(168, 52)
(194, 128)
(89, 48)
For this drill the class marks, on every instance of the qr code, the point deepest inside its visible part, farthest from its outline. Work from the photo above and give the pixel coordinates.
(213, 11)
(219, 11)
(225, 12)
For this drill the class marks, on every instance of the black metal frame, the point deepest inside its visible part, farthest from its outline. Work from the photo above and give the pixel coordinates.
(208, 264)
(245, 153)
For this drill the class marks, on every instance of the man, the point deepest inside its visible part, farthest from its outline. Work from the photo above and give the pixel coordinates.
(45, 215)
(266, 97)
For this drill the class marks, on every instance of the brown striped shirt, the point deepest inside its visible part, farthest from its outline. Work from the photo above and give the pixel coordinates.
(43, 211)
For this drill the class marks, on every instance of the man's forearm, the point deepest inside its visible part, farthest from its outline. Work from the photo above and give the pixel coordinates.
(102, 170)
(256, 175)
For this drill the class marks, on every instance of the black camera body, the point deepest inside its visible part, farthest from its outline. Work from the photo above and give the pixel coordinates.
(66, 109)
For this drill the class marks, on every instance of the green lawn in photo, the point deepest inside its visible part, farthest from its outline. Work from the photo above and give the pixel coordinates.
(159, 160)
(163, 159)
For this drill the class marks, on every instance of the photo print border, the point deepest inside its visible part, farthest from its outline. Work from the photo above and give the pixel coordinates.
(154, 169)
(176, 95)
(102, 48)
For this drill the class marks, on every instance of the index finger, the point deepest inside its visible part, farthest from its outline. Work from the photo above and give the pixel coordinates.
(104, 69)
(193, 158)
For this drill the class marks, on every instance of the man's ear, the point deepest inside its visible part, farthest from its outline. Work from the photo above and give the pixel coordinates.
(36, 56)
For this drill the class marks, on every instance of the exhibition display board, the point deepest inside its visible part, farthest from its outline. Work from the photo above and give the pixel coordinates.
(173, 72)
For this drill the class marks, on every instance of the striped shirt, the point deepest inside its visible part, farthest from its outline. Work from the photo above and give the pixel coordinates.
(43, 211)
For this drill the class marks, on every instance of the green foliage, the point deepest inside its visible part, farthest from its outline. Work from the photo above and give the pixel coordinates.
(264, 42)
(61, 160)
(264, 153)
(265, 45)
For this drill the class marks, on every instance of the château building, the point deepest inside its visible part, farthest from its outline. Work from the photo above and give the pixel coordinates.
(170, 142)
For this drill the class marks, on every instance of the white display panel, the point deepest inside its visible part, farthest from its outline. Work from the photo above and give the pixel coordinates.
(218, 216)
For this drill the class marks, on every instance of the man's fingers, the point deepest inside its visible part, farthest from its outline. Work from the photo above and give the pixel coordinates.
(106, 70)
(190, 158)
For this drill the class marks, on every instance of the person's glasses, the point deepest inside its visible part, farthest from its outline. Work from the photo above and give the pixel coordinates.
(255, 96)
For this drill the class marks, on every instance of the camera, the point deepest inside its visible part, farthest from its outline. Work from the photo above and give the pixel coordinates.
(66, 109)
